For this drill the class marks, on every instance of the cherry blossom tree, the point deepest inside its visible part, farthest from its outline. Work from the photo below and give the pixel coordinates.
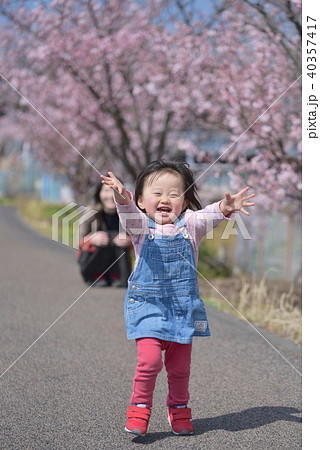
(256, 52)
(123, 84)
(108, 79)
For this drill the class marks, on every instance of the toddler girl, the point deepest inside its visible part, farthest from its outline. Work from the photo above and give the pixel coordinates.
(163, 309)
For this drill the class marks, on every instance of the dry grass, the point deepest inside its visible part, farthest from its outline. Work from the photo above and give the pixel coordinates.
(271, 304)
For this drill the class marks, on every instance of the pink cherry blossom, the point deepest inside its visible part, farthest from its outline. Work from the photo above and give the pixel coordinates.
(126, 85)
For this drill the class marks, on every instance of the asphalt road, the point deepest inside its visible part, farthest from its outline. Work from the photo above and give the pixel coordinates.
(71, 386)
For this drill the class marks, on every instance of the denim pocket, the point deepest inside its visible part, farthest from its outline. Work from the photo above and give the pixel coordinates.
(199, 318)
(135, 303)
(167, 266)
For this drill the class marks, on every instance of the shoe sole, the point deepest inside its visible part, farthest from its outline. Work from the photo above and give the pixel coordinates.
(137, 432)
(183, 433)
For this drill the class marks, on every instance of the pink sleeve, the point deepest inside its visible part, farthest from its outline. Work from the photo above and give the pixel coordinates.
(200, 222)
(134, 221)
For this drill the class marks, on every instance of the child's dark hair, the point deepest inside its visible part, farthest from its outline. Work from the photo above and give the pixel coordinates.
(175, 167)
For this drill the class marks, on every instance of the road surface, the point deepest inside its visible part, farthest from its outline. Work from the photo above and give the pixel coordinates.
(67, 367)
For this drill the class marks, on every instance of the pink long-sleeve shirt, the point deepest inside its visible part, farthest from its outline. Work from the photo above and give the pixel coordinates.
(198, 224)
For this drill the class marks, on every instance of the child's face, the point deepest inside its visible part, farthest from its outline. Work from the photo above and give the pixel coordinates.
(106, 197)
(163, 197)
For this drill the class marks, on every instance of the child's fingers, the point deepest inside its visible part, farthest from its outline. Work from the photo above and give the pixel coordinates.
(243, 191)
(244, 212)
(249, 204)
(249, 196)
(113, 183)
(112, 176)
(108, 180)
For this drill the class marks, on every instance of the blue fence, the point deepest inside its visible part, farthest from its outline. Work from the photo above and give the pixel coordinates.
(33, 182)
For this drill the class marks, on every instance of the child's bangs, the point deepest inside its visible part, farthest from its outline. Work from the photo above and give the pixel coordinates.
(155, 175)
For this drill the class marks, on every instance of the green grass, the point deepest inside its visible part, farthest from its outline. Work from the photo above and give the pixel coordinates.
(8, 201)
(212, 263)
(38, 214)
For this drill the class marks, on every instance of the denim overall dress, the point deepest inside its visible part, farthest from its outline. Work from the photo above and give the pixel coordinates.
(162, 300)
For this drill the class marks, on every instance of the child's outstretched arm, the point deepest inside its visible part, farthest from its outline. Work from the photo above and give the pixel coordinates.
(236, 202)
(120, 193)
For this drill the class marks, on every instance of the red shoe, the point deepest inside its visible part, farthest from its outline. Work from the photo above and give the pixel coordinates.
(138, 419)
(180, 420)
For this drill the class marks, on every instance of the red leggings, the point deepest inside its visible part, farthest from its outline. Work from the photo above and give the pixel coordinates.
(177, 362)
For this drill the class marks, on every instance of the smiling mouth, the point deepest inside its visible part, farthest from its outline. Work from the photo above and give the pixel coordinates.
(164, 209)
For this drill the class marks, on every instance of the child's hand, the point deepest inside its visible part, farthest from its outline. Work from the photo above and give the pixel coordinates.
(236, 202)
(120, 192)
